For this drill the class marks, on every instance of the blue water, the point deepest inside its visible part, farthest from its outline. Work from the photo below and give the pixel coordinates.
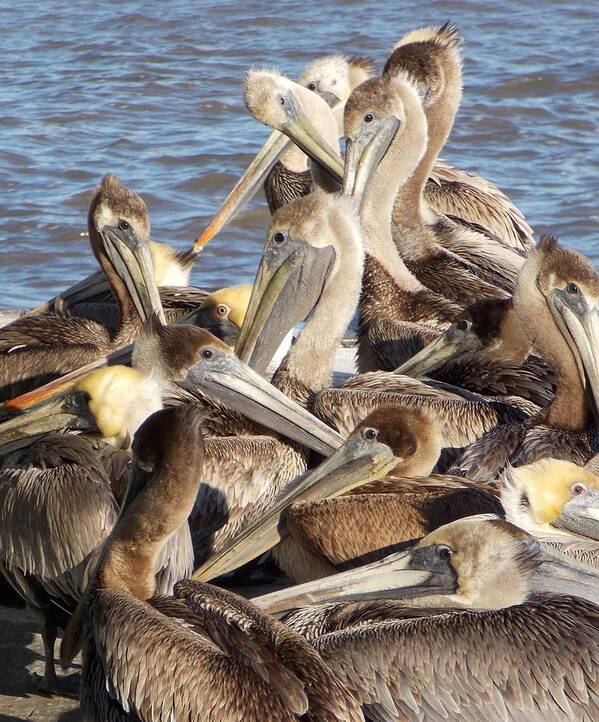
(153, 92)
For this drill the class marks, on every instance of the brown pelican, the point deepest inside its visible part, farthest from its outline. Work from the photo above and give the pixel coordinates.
(35, 349)
(556, 302)
(471, 264)
(516, 651)
(139, 645)
(485, 350)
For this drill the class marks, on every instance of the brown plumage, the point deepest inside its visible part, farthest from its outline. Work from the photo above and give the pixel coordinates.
(461, 263)
(283, 185)
(553, 278)
(140, 646)
(35, 349)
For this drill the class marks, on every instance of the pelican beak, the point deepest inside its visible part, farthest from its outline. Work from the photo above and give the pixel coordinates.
(417, 572)
(364, 153)
(228, 380)
(132, 261)
(580, 515)
(454, 342)
(578, 320)
(246, 187)
(65, 412)
(288, 284)
(357, 462)
(301, 131)
(559, 574)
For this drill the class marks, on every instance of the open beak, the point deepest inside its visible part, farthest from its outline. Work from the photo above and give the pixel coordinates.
(357, 462)
(132, 260)
(448, 346)
(288, 284)
(558, 574)
(246, 187)
(579, 323)
(228, 380)
(417, 572)
(364, 153)
(581, 515)
(59, 413)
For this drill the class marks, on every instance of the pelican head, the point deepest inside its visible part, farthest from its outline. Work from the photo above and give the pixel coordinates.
(557, 301)
(377, 113)
(412, 434)
(333, 77)
(550, 495)
(477, 562)
(222, 312)
(311, 243)
(432, 57)
(489, 326)
(193, 360)
(119, 228)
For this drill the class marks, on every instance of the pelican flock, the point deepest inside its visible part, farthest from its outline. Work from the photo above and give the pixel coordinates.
(411, 512)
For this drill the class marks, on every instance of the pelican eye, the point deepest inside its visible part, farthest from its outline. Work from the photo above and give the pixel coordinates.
(370, 434)
(463, 325)
(444, 552)
(572, 289)
(279, 238)
(208, 353)
(221, 310)
(578, 489)
(368, 118)
(124, 225)
(311, 86)
(281, 100)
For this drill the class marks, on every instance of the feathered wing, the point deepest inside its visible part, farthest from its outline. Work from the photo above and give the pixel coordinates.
(544, 664)
(241, 475)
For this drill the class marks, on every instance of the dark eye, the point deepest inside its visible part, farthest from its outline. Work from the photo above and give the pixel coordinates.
(368, 118)
(311, 86)
(207, 353)
(572, 289)
(463, 325)
(578, 489)
(370, 434)
(281, 100)
(444, 552)
(221, 310)
(124, 225)
(279, 238)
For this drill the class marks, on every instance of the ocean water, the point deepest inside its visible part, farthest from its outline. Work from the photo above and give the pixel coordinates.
(153, 92)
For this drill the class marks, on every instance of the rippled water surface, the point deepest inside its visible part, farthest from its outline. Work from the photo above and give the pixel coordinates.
(153, 92)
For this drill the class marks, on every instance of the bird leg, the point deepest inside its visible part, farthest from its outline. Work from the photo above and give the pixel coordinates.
(49, 683)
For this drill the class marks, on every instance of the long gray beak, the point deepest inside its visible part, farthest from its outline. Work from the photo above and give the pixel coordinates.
(228, 380)
(132, 260)
(364, 153)
(62, 413)
(580, 515)
(558, 574)
(246, 187)
(449, 345)
(357, 462)
(578, 322)
(416, 572)
(288, 284)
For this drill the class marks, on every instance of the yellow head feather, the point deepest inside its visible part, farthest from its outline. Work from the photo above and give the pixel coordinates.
(548, 484)
(236, 298)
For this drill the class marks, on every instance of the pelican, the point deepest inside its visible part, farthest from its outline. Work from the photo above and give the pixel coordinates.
(139, 645)
(461, 263)
(558, 502)
(472, 646)
(556, 302)
(485, 350)
(34, 349)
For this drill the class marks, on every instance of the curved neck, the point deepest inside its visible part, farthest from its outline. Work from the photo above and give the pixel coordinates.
(393, 171)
